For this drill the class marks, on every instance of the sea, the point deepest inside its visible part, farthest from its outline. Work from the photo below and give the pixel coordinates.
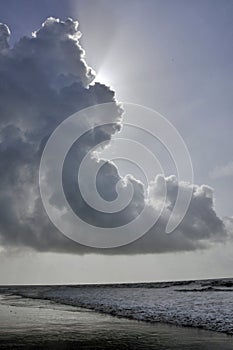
(155, 315)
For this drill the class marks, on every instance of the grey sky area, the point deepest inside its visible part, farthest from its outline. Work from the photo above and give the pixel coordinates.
(172, 56)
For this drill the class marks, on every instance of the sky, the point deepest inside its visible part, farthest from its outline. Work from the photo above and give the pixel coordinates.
(174, 57)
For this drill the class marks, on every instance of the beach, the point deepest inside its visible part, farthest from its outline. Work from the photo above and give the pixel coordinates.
(39, 323)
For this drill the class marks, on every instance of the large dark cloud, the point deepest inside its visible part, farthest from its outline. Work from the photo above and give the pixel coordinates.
(44, 79)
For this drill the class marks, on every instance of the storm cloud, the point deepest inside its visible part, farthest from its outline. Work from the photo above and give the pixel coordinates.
(43, 80)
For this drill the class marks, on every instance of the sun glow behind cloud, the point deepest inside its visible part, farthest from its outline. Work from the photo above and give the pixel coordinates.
(104, 41)
(104, 77)
(112, 77)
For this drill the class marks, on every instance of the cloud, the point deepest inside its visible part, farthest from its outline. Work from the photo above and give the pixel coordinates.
(4, 37)
(44, 79)
(222, 171)
(200, 228)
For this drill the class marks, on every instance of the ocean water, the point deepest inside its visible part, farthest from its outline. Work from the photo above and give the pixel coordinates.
(64, 317)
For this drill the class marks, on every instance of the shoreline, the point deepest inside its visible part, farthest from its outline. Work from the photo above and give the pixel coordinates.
(200, 305)
(203, 304)
(127, 317)
(42, 324)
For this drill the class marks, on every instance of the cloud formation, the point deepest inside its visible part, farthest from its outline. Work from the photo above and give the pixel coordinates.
(43, 80)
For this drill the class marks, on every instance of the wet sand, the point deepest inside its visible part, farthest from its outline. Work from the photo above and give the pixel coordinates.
(40, 324)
